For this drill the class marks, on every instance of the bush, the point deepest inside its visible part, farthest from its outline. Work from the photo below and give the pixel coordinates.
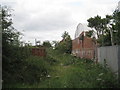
(51, 60)
(35, 70)
(32, 70)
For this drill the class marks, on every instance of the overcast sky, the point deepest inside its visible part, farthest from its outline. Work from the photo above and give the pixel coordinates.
(48, 19)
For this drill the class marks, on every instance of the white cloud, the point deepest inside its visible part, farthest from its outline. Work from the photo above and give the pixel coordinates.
(48, 19)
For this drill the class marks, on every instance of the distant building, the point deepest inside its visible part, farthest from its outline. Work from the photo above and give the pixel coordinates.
(39, 51)
(83, 46)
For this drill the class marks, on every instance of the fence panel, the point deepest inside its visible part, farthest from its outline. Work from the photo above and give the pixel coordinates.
(110, 56)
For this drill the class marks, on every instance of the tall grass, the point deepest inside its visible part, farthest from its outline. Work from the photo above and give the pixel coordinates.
(81, 73)
(64, 71)
(30, 71)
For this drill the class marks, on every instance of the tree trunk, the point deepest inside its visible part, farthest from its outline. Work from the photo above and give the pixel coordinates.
(111, 34)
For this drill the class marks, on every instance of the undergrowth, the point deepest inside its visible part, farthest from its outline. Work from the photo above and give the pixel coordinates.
(61, 70)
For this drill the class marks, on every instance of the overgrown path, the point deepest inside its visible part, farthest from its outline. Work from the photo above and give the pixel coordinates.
(72, 72)
(67, 71)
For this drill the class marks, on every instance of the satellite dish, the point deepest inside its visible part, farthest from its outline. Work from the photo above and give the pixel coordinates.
(80, 28)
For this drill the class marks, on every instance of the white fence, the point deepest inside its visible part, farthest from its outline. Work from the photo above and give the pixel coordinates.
(110, 55)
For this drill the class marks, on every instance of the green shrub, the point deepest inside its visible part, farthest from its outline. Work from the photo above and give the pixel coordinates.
(32, 70)
(51, 60)
(35, 70)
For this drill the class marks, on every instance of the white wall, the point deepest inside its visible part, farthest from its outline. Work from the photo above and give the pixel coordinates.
(112, 56)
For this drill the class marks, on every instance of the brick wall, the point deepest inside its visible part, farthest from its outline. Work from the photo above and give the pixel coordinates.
(39, 51)
(83, 48)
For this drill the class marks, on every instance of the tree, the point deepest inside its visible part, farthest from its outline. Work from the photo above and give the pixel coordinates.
(15, 67)
(100, 25)
(65, 35)
(47, 44)
(11, 55)
(108, 28)
(89, 33)
(10, 36)
(116, 26)
(65, 45)
(95, 23)
(54, 44)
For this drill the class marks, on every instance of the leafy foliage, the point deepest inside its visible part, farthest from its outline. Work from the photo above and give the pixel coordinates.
(116, 27)
(19, 66)
(72, 72)
(47, 44)
(107, 29)
(9, 44)
(89, 33)
(65, 46)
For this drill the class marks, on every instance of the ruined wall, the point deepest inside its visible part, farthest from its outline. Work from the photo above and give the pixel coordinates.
(83, 48)
(39, 51)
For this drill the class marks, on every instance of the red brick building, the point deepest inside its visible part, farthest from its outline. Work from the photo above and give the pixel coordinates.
(84, 46)
(40, 51)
